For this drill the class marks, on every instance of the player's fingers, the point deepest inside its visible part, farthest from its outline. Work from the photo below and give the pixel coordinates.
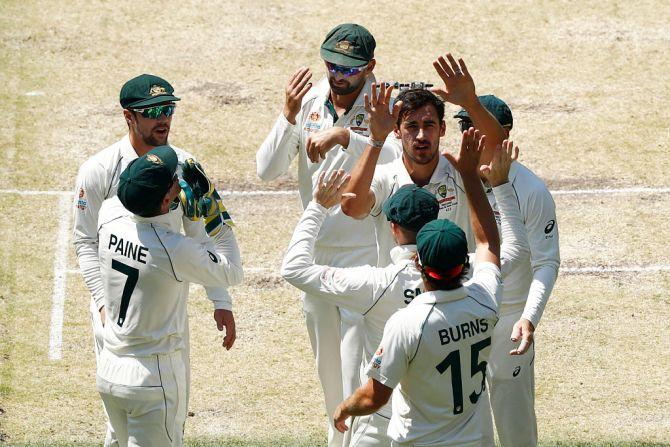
(523, 347)
(373, 95)
(387, 98)
(304, 90)
(464, 68)
(481, 143)
(445, 66)
(349, 194)
(344, 182)
(366, 103)
(453, 65)
(310, 148)
(486, 170)
(298, 76)
(515, 155)
(516, 332)
(302, 82)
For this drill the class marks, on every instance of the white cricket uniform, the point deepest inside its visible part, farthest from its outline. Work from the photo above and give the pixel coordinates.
(445, 184)
(342, 241)
(145, 270)
(377, 292)
(98, 180)
(526, 290)
(434, 353)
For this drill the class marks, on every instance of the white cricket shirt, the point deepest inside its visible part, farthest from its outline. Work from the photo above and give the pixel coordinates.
(434, 353)
(445, 184)
(145, 269)
(98, 180)
(532, 280)
(286, 140)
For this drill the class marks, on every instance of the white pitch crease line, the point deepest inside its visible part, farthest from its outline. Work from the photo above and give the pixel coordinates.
(60, 276)
(260, 192)
(629, 269)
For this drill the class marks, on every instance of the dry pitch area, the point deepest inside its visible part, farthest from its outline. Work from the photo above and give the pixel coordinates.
(588, 87)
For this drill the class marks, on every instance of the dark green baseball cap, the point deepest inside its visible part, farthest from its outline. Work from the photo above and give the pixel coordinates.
(349, 45)
(411, 207)
(147, 179)
(498, 108)
(144, 91)
(441, 245)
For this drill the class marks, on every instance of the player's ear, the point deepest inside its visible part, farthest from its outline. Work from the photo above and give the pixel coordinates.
(371, 66)
(128, 115)
(443, 128)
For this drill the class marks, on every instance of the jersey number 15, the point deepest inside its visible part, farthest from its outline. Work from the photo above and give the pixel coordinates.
(453, 361)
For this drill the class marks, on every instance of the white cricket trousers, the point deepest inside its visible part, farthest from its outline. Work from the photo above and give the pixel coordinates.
(98, 344)
(370, 431)
(511, 384)
(336, 335)
(145, 398)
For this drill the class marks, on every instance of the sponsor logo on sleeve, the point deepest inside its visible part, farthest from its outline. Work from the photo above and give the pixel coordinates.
(82, 203)
(377, 359)
(549, 228)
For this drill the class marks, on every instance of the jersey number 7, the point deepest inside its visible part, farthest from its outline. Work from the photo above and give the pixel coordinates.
(132, 273)
(453, 360)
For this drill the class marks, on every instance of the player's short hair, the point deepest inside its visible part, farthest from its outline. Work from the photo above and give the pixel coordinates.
(414, 99)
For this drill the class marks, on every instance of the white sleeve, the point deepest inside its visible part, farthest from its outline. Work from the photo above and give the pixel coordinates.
(382, 188)
(394, 354)
(279, 148)
(218, 295)
(215, 264)
(352, 288)
(486, 275)
(391, 150)
(514, 247)
(85, 234)
(542, 231)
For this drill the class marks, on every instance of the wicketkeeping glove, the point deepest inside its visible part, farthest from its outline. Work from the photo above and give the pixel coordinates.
(200, 199)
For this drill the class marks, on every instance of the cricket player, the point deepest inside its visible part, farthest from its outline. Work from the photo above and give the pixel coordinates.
(148, 104)
(511, 373)
(417, 119)
(378, 292)
(145, 270)
(434, 352)
(314, 119)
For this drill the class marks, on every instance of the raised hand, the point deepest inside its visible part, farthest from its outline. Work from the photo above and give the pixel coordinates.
(467, 160)
(382, 118)
(296, 88)
(497, 171)
(328, 193)
(459, 88)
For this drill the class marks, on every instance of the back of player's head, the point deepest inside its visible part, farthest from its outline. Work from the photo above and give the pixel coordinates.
(411, 207)
(147, 179)
(414, 99)
(496, 106)
(443, 252)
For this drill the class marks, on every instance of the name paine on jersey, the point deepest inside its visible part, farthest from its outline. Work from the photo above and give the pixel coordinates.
(127, 248)
(463, 331)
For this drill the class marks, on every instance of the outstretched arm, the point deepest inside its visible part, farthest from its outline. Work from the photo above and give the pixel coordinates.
(459, 89)
(382, 122)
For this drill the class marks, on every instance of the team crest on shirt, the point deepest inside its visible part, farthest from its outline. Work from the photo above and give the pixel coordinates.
(314, 123)
(82, 203)
(157, 90)
(359, 124)
(446, 197)
(155, 159)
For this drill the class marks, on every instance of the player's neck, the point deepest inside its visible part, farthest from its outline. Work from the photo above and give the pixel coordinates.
(139, 145)
(420, 173)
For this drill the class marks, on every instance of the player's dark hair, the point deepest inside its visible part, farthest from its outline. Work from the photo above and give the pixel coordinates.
(450, 284)
(414, 99)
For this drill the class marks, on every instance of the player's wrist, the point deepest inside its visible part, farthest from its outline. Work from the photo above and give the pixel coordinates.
(376, 142)
(290, 115)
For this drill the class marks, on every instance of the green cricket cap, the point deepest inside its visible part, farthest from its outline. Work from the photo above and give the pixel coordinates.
(144, 91)
(441, 245)
(147, 179)
(349, 45)
(411, 207)
(498, 108)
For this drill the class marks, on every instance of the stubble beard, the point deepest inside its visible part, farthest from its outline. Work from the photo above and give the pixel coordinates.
(350, 88)
(422, 160)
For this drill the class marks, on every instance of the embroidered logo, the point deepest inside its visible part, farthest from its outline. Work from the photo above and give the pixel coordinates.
(157, 90)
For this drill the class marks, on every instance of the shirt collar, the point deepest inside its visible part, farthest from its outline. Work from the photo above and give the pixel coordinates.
(440, 296)
(127, 150)
(401, 253)
(163, 219)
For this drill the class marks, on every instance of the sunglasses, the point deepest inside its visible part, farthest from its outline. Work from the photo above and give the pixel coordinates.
(155, 112)
(345, 71)
(465, 125)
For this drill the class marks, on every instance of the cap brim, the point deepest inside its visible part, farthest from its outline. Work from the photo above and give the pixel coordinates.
(342, 59)
(152, 101)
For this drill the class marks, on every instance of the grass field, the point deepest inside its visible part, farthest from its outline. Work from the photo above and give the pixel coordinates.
(587, 82)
